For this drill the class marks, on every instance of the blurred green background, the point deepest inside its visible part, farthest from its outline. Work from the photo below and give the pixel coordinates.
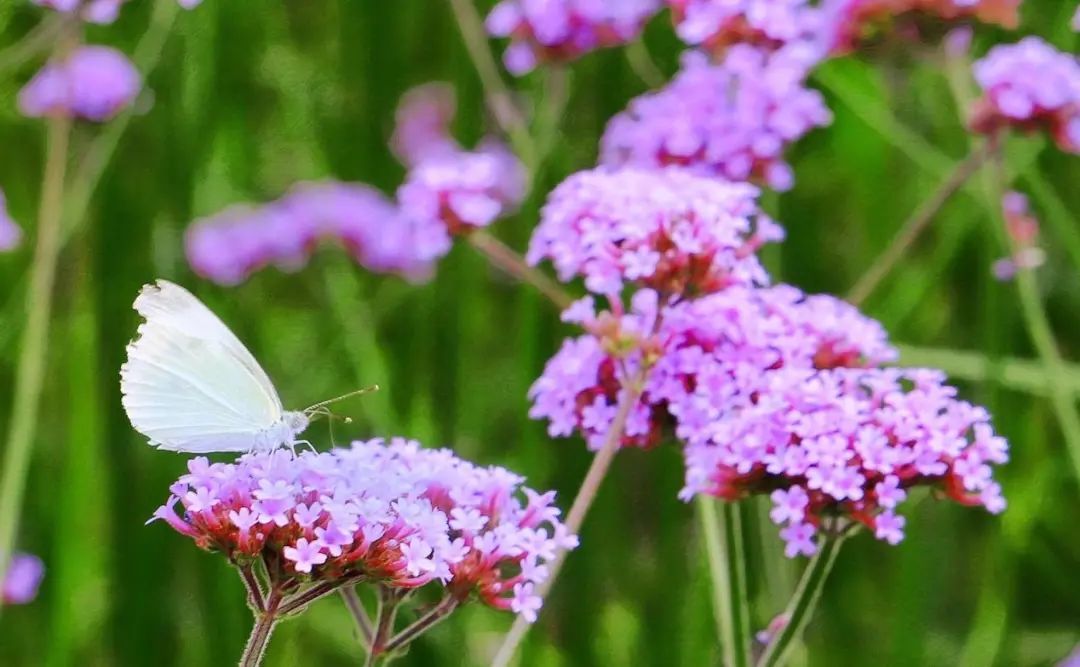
(250, 97)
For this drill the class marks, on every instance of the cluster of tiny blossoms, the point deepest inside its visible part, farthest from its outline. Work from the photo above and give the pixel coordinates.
(22, 579)
(388, 513)
(10, 234)
(844, 442)
(697, 348)
(561, 30)
(92, 82)
(97, 11)
(1030, 85)
(848, 23)
(716, 24)
(447, 191)
(668, 229)
(733, 119)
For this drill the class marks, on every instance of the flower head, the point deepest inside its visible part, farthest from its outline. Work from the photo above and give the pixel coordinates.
(21, 581)
(422, 123)
(1030, 86)
(717, 24)
(10, 234)
(667, 229)
(561, 30)
(733, 119)
(93, 82)
(391, 513)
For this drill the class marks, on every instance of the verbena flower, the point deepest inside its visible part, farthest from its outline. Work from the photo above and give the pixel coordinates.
(560, 30)
(462, 190)
(422, 123)
(1030, 86)
(231, 245)
(91, 11)
(733, 119)
(703, 353)
(717, 24)
(21, 581)
(386, 513)
(10, 234)
(667, 229)
(848, 23)
(844, 442)
(93, 82)
(1023, 229)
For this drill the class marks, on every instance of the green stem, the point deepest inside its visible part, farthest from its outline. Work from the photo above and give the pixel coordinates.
(364, 628)
(512, 263)
(803, 602)
(641, 62)
(32, 44)
(726, 551)
(1016, 374)
(30, 376)
(260, 633)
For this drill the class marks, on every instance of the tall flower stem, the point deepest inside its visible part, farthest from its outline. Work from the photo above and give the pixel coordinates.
(364, 629)
(582, 502)
(803, 603)
(726, 551)
(915, 225)
(30, 375)
(499, 97)
(35, 42)
(513, 264)
(260, 634)
(388, 607)
(422, 624)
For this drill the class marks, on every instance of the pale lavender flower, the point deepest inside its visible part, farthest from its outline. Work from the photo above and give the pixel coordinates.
(21, 581)
(400, 515)
(799, 540)
(561, 30)
(93, 82)
(667, 229)
(1030, 86)
(422, 124)
(10, 234)
(717, 24)
(733, 119)
(91, 11)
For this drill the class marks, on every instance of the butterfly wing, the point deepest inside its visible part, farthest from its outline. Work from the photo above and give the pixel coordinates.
(189, 384)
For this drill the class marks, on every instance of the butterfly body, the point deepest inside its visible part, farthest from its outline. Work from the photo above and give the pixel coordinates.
(190, 385)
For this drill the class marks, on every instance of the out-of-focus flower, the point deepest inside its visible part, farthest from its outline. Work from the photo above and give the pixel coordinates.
(733, 119)
(1023, 229)
(21, 581)
(1030, 86)
(717, 24)
(93, 82)
(233, 244)
(393, 514)
(462, 190)
(91, 11)
(845, 442)
(1071, 660)
(667, 229)
(849, 23)
(1076, 20)
(775, 626)
(561, 30)
(422, 124)
(10, 234)
(703, 353)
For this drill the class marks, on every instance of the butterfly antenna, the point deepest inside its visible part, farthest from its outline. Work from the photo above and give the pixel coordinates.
(366, 390)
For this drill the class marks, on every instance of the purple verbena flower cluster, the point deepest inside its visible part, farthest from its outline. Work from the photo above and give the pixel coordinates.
(390, 513)
(10, 234)
(97, 11)
(716, 24)
(733, 119)
(1022, 227)
(1030, 85)
(560, 30)
(22, 579)
(448, 191)
(92, 82)
(668, 229)
(845, 442)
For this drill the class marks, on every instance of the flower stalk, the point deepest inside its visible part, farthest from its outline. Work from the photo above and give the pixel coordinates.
(514, 265)
(726, 551)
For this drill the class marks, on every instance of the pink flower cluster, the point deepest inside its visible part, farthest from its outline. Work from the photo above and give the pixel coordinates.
(21, 580)
(231, 245)
(560, 30)
(10, 234)
(844, 442)
(667, 229)
(390, 513)
(848, 23)
(93, 82)
(717, 24)
(448, 191)
(732, 119)
(1030, 86)
(97, 11)
(717, 343)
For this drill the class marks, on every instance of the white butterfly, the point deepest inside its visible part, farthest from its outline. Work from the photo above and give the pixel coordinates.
(190, 385)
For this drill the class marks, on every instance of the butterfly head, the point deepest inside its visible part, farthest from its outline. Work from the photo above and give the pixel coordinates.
(297, 422)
